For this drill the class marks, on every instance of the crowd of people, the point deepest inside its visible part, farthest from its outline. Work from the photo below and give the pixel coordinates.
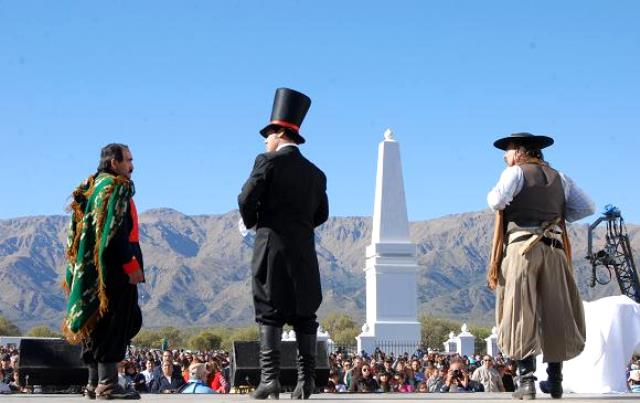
(9, 375)
(172, 371)
(183, 371)
(430, 372)
(147, 371)
(633, 379)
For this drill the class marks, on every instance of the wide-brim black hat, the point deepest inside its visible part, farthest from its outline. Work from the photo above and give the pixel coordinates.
(524, 139)
(289, 109)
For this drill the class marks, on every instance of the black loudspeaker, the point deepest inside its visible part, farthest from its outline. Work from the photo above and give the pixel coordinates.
(246, 366)
(51, 362)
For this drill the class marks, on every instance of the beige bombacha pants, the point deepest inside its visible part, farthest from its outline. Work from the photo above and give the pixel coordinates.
(538, 306)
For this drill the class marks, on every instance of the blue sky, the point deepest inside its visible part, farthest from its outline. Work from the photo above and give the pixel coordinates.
(188, 85)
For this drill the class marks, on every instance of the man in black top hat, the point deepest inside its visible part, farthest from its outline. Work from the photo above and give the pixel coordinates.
(538, 306)
(285, 199)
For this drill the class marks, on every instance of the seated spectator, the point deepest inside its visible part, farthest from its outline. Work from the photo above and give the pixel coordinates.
(333, 384)
(4, 387)
(418, 375)
(15, 385)
(225, 363)
(440, 361)
(422, 388)
(196, 382)
(169, 381)
(218, 383)
(149, 356)
(148, 373)
(410, 377)
(401, 385)
(167, 355)
(471, 368)
(436, 381)
(488, 376)
(428, 372)
(384, 382)
(185, 363)
(134, 378)
(507, 376)
(363, 382)
(347, 373)
(457, 378)
(5, 364)
(378, 354)
(388, 366)
(14, 359)
(122, 379)
(634, 380)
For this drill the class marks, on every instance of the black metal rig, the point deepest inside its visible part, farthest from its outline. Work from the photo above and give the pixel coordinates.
(616, 255)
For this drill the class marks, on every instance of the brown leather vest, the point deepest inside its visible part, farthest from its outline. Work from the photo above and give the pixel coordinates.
(540, 200)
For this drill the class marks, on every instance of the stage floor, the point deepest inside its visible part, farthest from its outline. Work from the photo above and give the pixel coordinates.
(408, 398)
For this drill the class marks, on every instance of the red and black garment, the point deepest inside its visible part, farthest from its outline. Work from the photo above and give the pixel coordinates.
(133, 251)
(123, 318)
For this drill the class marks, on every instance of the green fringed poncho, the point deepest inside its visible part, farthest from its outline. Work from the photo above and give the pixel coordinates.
(98, 209)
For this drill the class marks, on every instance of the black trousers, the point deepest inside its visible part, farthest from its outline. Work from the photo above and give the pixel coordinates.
(113, 333)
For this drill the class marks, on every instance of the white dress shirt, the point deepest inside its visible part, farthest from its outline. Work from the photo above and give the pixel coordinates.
(148, 375)
(283, 145)
(577, 203)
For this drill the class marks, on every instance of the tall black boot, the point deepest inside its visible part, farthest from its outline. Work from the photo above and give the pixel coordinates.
(553, 384)
(90, 389)
(526, 375)
(108, 386)
(306, 366)
(269, 363)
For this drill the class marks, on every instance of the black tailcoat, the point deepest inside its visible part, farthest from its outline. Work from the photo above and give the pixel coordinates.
(285, 199)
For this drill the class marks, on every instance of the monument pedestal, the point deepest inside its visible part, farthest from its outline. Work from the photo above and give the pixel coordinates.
(391, 263)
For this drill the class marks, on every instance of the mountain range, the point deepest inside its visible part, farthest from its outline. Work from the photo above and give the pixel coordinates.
(198, 268)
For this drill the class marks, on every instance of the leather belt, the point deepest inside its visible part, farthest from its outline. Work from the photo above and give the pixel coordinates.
(554, 243)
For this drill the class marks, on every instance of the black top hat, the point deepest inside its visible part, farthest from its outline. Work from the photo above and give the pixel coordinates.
(289, 109)
(524, 139)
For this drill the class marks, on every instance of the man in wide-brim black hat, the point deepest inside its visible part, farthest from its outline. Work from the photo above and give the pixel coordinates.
(285, 199)
(538, 306)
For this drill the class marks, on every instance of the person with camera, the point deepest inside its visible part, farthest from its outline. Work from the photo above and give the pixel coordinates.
(457, 378)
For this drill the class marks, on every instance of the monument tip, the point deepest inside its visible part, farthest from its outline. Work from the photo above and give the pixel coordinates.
(388, 134)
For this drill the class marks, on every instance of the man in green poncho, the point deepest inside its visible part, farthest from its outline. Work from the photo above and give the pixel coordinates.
(104, 267)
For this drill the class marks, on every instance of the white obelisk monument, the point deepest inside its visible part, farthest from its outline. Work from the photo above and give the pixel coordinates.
(391, 264)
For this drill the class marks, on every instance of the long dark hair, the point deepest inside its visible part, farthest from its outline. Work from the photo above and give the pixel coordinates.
(110, 152)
